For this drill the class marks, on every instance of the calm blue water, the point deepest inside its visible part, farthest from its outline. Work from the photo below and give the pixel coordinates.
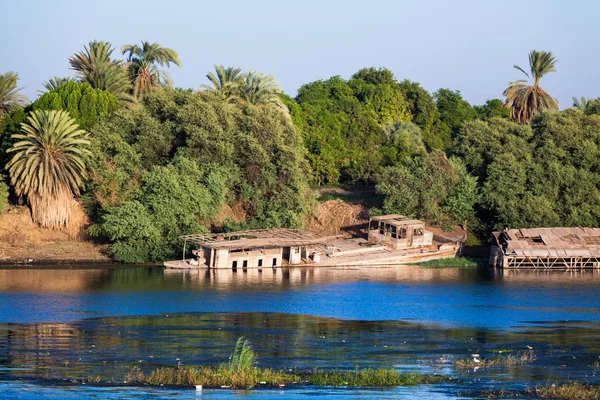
(73, 324)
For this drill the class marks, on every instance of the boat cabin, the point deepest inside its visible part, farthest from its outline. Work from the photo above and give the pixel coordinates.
(257, 248)
(398, 232)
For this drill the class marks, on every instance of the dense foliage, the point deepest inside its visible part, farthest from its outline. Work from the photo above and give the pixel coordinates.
(84, 103)
(430, 187)
(240, 154)
(168, 167)
(546, 174)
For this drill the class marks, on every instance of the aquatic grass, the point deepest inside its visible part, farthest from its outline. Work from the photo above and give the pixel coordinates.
(521, 358)
(226, 377)
(216, 377)
(457, 262)
(382, 377)
(571, 390)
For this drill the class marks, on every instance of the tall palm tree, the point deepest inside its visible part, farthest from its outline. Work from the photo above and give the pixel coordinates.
(48, 166)
(225, 82)
(580, 104)
(55, 83)
(95, 66)
(257, 88)
(10, 98)
(526, 99)
(143, 62)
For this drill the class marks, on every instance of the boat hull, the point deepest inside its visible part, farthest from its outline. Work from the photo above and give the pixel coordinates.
(383, 257)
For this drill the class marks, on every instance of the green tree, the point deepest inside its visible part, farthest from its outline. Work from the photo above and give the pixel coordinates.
(84, 103)
(95, 66)
(259, 89)
(181, 156)
(225, 81)
(422, 107)
(431, 187)
(10, 98)
(143, 62)
(48, 165)
(454, 111)
(378, 90)
(526, 99)
(493, 108)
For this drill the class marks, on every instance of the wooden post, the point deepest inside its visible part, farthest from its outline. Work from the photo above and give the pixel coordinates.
(184, 245)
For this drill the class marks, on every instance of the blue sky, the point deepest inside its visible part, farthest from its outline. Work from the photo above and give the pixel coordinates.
(465, 45)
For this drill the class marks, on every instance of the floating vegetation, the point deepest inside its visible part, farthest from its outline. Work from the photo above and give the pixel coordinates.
(371, 377)
(226, 377)
(571, 390)
(521, 358)
(457, 262)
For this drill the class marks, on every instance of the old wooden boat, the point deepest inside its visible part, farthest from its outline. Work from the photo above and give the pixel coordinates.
(391, 239)
(546, 248)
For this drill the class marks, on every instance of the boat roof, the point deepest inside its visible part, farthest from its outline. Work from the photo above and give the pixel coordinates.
(397, 220)
(258, 238)
(539, 242)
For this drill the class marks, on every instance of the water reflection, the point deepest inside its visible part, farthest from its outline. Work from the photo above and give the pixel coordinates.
(110, 347)
(279, 279)
(445, 296)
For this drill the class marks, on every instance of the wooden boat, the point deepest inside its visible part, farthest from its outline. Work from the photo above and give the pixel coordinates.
(391, 239)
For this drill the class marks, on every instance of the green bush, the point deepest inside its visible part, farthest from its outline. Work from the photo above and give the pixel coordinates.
(84, 103)
(429, 187)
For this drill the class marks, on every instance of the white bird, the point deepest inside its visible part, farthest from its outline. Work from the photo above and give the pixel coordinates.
(475, 358)
(529, 347)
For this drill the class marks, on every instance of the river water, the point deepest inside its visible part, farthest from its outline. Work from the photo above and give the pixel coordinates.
(59, 326)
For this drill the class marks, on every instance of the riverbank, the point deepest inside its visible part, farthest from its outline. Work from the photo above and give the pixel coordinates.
(24, 243)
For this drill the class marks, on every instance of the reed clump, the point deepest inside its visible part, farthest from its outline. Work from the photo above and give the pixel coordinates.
(524, 357)
(571, 390)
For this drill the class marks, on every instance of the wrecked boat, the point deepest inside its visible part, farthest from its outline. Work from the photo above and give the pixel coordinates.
(391, 239)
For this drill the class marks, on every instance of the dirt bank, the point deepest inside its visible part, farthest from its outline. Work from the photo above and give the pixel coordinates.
(21, 240)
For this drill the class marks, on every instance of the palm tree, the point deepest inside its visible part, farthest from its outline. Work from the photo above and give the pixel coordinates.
(10, 98)
(225, 82)
(55, 83)
(526, 99)
(47, 166)
(142, 65)
(257, 88)
(95, 66)
(580, 104)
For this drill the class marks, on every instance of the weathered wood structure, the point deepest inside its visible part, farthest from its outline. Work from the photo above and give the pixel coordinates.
(392, 239)
(546, 248)
(399, 232)
(257, 248)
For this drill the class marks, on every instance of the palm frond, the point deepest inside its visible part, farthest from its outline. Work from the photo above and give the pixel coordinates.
(10, 98)
(526, 100)
(48, 166)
